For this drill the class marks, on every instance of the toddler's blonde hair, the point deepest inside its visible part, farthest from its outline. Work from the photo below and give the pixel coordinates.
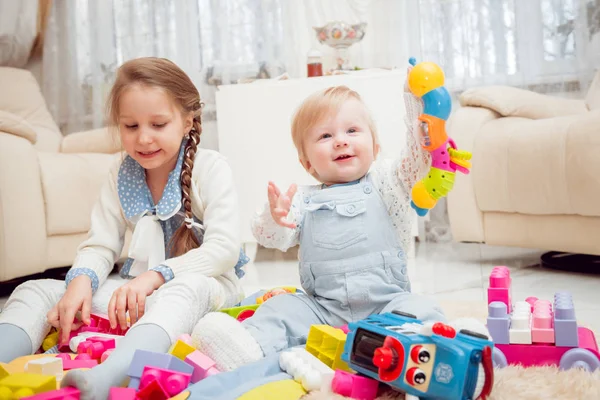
(318, 106)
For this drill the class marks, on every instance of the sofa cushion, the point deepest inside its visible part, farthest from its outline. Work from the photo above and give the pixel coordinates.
(21, 95)
(71, 185)
(547, 166)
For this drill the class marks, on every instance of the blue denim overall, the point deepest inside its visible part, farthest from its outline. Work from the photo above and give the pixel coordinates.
(351, 266)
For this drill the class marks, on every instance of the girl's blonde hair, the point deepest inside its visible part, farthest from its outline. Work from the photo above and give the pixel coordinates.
(318, 106)
(164, 74)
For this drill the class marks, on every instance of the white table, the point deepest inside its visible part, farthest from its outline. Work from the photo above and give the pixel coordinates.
(253, 122)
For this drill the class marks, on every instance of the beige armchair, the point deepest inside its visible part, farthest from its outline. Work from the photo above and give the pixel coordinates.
(535, 181)
(48, 183)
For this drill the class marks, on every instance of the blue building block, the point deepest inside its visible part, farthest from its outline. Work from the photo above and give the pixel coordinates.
(565, 323)
(142, 358)
(498, 322)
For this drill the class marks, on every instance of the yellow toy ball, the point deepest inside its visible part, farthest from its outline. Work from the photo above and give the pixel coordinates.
(424, 77)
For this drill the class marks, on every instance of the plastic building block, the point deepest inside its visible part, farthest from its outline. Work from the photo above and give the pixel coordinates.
(499, 287)
(275, 292)
(45, 366)
(306, 369)
(327, 344)
(172, 382)
(143, 358)
(542, 326)
(121, 393)
(83, 336)
(50, 341)
(354, 386)
(16, 386)
(565, 324)
(81, 361)
(181, 396)
(186, 338)
(181, 349)
(3, 372)
(287, 389)
(69, 393)
(203, 366)
(498, 322)
(520, 324)
(105, 355)
(152, 391)
(95, 346)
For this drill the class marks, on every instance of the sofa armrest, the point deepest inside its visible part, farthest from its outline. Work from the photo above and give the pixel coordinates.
(16, 125)
(93, 141)
(22, 211)
(465, 216)
(514, 102)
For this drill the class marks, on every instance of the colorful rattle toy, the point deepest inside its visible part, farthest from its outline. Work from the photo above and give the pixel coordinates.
(426, 80)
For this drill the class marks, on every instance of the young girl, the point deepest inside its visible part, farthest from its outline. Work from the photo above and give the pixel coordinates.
(181, 205)
(353, 231)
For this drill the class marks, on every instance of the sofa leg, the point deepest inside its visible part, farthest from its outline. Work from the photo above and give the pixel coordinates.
(572, 262)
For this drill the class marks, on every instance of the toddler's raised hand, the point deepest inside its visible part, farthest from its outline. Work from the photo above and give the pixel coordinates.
(280, 204)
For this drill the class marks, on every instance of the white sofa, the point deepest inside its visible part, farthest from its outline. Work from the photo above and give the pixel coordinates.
(48, 183)
(535, 181)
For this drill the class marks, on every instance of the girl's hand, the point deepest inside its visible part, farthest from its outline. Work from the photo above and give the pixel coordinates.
(280, 204)
(131, 298)
(78, 297)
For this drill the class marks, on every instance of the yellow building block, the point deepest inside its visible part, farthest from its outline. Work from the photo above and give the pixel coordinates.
(181, 349)
(327, 344)
(286, 389)
(3, 372)
(20, 385)
(50, 341)
(181, 396)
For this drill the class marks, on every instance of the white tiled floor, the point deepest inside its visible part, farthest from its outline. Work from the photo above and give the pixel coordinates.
(454, 272)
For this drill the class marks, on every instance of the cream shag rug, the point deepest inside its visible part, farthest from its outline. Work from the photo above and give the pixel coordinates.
(514, 383)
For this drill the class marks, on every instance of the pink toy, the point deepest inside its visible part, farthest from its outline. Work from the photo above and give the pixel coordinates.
(68, 393)
(186, 338)
(537, 332)
(153, 391)
(95, 346)
(203, 365)
(499, 288)
(172, 382)
(121, 393)
(105, 355)
(354, 386)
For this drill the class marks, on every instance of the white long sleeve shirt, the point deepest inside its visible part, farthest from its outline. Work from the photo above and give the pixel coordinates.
(214, 202)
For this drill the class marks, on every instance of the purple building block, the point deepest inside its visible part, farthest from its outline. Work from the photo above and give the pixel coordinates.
(143, 358)
(498, 322)
(565, 324)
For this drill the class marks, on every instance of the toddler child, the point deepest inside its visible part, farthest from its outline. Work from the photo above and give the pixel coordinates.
(353, 230)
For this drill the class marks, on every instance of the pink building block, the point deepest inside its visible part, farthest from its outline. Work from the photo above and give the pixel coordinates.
(152, 391)
(186, 338)
(95, 346)
(499, 287)
(354, 386)
(79, 363)
(121, 393)
(203, 365)
(105, 355)
(172, 382)
(542, 327)
(69, 393)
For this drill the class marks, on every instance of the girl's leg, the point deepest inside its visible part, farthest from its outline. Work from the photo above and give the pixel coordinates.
(172, 310)
(23, 321)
